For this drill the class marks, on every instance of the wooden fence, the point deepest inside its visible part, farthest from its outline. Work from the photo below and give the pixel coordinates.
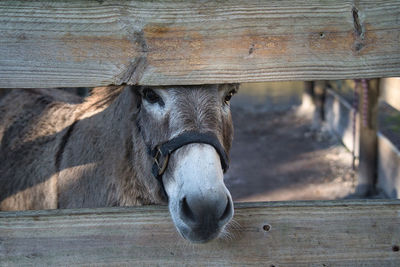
(91, 43)
(329, 233)
(356, 125)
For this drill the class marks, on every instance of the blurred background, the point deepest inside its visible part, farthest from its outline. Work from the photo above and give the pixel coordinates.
(278, 154)
(300, 140)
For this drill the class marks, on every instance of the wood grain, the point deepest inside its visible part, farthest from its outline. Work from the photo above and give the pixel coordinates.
(314, 233)
(92, 43)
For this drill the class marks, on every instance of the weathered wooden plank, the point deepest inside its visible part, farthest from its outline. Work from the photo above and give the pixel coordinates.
(390, 91)
(339, 116)
(388, 167)
(389, 141)
(322, 233)
(92, 43)
(341, 121)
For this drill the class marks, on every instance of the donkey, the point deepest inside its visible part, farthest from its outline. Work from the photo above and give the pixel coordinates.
(121, 146)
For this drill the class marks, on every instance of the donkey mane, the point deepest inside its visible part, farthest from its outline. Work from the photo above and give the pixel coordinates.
(36, 129)
(102, 97)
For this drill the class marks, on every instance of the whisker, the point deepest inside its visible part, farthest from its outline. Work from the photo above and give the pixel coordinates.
(231, 231)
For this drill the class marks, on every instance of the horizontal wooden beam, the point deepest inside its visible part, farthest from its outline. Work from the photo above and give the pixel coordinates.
(315, 233)
(92, 43)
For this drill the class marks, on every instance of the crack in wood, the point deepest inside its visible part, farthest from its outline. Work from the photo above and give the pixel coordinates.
(134, 71)
(356, 21)
(136, 68)
(358, 30)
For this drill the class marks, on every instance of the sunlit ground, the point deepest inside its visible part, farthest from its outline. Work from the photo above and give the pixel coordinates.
(276, 156)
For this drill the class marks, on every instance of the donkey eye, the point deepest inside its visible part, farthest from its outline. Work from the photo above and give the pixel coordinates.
(228, 97)
(152, 97)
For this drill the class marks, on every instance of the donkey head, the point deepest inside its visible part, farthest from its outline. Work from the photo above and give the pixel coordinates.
(188, 131)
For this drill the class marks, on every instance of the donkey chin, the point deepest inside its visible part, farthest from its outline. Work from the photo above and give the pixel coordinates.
(200, 205)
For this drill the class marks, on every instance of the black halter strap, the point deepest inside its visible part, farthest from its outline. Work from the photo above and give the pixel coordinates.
(162, 152)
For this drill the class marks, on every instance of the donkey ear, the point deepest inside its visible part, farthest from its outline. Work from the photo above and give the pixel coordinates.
(137, 97)
(229, 86)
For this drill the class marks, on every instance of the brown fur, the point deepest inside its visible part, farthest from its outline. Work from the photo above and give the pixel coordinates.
(60, 152)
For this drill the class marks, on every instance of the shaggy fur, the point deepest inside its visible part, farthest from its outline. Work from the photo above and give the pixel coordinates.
(58, 151)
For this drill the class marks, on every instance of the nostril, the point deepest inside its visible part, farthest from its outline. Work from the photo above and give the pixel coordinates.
(227, 212)
(186, 211)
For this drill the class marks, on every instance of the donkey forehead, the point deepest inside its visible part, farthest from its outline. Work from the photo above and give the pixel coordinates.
(190, 100)
(189, 93)
(192, 107)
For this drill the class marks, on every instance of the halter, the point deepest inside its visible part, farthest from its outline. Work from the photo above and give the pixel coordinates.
(162, 152)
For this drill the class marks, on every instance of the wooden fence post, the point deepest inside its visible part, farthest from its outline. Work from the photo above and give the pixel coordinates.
(368, 110)
(313, 102)
(319, 99)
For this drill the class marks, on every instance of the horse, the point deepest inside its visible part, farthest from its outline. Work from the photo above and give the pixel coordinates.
(121, 146)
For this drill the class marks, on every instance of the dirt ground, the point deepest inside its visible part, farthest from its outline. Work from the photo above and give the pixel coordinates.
(276, 156)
